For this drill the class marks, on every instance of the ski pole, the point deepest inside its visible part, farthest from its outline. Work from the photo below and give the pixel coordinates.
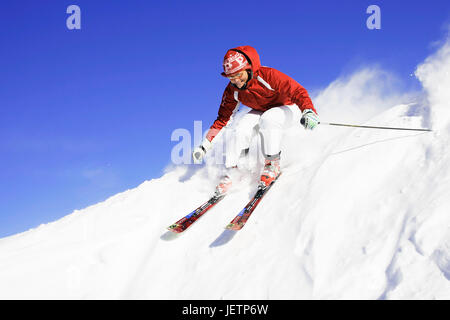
(372, 127)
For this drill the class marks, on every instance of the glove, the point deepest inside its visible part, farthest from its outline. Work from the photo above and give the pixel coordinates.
(309, 119)
(199, 152)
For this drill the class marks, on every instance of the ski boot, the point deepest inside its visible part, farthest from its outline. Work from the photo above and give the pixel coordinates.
(223, 186)
(271, 171)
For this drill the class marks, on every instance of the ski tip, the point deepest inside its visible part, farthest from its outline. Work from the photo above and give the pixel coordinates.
(176, 228)
(234, 226)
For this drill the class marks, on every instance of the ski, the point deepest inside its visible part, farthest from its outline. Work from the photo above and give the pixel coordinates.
(188, 220)
(239, 221)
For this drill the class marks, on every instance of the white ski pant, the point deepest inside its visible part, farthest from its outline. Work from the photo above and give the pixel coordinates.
(269, 124)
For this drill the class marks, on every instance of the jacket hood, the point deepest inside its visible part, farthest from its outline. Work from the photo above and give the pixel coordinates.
(251, 55)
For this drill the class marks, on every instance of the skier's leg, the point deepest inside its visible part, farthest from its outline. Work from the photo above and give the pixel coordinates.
(237, 146)
(242, 134)
(272, 124)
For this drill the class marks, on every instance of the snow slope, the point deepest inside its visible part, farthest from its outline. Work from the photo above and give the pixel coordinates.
(357, 214)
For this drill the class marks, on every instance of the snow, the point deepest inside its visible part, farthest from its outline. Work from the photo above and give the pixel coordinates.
(356, 214)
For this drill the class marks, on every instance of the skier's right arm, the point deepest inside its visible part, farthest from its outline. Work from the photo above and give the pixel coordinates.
(226, 109)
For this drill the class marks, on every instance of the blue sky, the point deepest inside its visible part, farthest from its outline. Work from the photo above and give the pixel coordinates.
(85, 114)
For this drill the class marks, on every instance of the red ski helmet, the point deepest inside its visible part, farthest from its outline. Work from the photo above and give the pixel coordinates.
(234, 62)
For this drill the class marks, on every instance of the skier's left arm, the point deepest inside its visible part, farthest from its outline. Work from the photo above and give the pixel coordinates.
(298, 95)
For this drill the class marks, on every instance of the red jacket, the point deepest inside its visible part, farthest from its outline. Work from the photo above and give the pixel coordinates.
(267, 88)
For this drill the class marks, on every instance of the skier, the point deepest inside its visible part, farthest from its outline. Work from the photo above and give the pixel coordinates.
(277, 101)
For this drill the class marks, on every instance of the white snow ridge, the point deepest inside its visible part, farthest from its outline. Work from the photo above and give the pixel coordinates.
(357, 214)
